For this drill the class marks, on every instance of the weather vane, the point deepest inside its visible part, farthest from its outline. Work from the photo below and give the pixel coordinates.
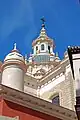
(43, 22)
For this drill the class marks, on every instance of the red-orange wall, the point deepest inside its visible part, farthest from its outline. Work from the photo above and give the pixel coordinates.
(12, 110)
(1, 106)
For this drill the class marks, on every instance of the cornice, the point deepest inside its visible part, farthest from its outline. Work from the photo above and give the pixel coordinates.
(52, 73)
(35, 103)
(56, 71)
(43, 63)
(46, 39)
(12, 62)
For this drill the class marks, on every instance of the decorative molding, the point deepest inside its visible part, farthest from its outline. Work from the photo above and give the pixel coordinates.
(21, 64)
(57, 71)
(36, 103)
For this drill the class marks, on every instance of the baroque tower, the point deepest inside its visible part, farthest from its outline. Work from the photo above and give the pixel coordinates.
(43, 56)
(47, 76)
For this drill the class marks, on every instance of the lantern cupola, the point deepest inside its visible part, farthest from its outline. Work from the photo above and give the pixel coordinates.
(43, 46)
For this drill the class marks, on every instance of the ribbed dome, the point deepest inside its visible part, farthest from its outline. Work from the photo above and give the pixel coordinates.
(14, 55)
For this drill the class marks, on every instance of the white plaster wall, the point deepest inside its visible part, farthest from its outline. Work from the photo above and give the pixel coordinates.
(52, 84)
(68, 69)
(46, 46)
(13, 76)
(76, 66)
(51, 49)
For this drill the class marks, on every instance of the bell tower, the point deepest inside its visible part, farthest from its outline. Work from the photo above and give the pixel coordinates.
(43, 46)
(43, 58)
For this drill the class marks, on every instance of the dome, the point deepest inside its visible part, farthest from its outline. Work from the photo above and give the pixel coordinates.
(14, 55)
(14, 58)
(43, 37)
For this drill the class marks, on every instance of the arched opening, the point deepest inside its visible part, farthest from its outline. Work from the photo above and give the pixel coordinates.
(42, 47)
(36, 48)
(55, 99)
(49, 49)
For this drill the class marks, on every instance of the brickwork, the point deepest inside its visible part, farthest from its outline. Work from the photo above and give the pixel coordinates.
(66, 90)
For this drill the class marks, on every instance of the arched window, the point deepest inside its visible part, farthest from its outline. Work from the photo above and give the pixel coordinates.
(36, 48)
(55, 99)
(42, 47)
(49, 49)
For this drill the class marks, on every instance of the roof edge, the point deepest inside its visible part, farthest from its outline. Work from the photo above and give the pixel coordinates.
(36, 103)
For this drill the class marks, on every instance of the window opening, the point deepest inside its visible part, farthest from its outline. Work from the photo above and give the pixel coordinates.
(42, 47)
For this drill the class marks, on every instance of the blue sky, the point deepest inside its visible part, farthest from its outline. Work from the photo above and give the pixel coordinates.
(20, 23)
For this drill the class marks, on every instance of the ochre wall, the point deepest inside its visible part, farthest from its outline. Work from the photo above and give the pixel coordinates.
(12, 110)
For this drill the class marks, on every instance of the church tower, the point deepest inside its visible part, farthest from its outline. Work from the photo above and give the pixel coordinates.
(13, 70)
(43, 46)
(43, 57)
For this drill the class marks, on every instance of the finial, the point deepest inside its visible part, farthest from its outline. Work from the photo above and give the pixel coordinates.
(14, 46)
(56, 54)
(43, 22)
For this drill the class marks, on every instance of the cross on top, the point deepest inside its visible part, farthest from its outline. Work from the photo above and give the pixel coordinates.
(14, 46)
(43, 22)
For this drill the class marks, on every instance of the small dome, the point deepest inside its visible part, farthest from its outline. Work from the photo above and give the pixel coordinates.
(43, 37)
(14, 55)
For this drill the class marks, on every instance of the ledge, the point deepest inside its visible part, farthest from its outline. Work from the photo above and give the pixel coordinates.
(36, 103)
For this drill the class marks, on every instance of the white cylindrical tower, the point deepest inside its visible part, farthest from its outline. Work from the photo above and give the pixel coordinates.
(13, 70)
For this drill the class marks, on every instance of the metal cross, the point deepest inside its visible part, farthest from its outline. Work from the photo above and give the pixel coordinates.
(43, 22)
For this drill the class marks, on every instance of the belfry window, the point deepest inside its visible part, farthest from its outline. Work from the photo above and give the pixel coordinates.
(42, 47)
(49, 49)
(55, 100)
(36, 48)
